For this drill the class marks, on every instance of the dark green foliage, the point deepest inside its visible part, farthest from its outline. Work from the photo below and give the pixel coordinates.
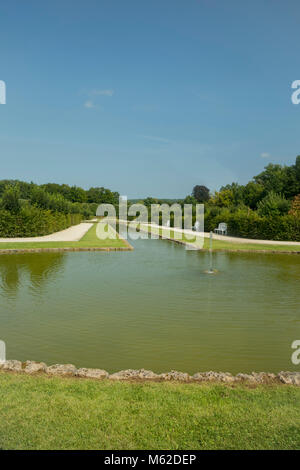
(102, 196)
(27, 209)
(10, 199)
(249, 224)
(273, 204)
(32, 222)
(201, 193)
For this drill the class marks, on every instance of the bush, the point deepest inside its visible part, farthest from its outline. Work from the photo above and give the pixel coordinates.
(33, 222)
(11, 199)
(295, 209)
(246, 223)
(273, 204)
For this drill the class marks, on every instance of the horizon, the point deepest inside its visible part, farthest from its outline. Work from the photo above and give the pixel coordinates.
(147, 98)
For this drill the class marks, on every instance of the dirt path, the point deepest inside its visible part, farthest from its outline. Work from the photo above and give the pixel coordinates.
(71, 234)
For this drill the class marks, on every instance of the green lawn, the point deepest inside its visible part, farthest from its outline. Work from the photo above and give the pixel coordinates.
(223, 245)
(53, 413)
(89, 240)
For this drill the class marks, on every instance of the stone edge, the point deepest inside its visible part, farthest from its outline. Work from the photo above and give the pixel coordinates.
(255, 378)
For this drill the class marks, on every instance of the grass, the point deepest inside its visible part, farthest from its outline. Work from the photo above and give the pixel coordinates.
(89, 240)
(224, 245)
(55, 413)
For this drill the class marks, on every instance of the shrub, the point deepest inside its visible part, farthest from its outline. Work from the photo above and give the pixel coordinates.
(273, 204)
(11, 199)
(295, 209)
(33, 222)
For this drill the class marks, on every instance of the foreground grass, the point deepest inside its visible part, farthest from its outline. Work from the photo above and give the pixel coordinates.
(52, 413)
(220, 244)
(89, 240)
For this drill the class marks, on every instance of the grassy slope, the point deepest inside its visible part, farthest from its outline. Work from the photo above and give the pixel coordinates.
(89, 240)
(53, 413)
(225, 245)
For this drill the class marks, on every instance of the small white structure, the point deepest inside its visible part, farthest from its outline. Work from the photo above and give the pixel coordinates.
(196, 227)
(221, 229)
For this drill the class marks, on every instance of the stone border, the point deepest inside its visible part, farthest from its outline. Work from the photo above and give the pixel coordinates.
(69, 370)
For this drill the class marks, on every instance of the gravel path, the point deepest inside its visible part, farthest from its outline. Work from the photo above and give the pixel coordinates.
(71, 234)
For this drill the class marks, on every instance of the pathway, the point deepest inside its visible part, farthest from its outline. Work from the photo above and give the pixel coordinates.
(71, 234)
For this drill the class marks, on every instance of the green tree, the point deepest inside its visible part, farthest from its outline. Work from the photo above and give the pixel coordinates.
(253, 193)
(11, 199)
(273, 178)
(102, 196)
(190, 200)
(223, 198)
(201, 193)
(77, 194)
(273, 205)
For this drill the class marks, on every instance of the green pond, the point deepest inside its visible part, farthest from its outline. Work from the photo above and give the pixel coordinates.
(152, 308)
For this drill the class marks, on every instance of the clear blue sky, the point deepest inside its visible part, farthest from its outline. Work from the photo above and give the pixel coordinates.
(148, 97)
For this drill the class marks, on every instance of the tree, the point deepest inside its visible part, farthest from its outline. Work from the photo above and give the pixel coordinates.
(295, 209)
(190, 200)
(102, 196)
(201, 193)
(150, 200)
(11, 199)
(77, 194)
(273, 204)
(223, 198)
(40, 198)
(252, 194)
(237, 192)
(273, 178)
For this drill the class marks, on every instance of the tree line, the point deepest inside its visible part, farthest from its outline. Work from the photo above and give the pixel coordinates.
(267, 207)
(28, 209)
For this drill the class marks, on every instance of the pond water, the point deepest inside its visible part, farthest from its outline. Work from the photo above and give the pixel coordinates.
(152, 308)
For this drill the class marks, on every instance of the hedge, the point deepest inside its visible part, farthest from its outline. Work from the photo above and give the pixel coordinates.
(33, 222)
(251, 225)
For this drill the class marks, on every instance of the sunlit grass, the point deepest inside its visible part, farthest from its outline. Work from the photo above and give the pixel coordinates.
(53, 413)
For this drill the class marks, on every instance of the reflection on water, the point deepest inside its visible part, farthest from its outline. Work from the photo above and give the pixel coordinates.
(153, 308)
(36, 267)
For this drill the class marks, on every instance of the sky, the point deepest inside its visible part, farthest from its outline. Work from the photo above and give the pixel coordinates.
(148, 98)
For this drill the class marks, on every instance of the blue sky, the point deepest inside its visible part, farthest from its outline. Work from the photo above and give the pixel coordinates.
(148, 97)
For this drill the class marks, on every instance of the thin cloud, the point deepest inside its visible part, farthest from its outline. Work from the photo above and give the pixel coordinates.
(156, 139)
(265, 155)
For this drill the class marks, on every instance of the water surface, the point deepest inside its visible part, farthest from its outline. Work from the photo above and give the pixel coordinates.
(153, 308)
